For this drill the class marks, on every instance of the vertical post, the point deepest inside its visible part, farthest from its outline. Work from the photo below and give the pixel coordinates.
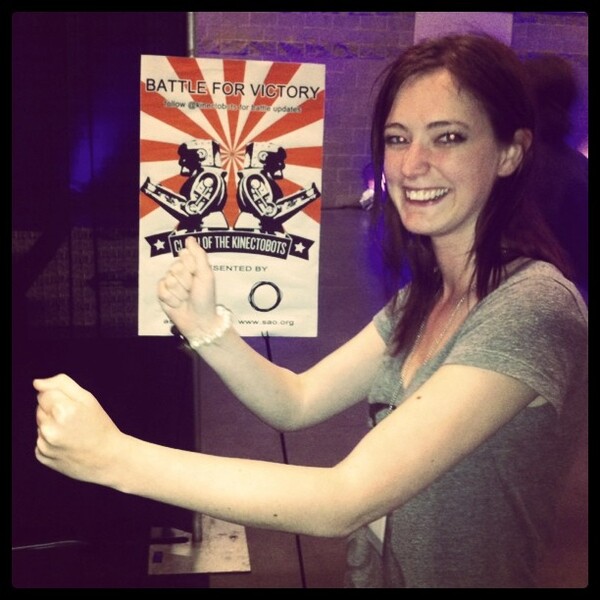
(191, 31)
(196, 389)
(197, 396)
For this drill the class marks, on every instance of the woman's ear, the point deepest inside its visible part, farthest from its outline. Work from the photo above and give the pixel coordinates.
(512, 155)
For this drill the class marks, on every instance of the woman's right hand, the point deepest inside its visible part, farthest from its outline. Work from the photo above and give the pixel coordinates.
(75, 435)
(186, 292)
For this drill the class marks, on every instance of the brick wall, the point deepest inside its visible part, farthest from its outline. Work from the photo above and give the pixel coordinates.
(90, 285)
(565, 34)
(354, 46)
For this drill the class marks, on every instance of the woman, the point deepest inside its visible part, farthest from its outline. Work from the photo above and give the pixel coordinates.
(475, 371)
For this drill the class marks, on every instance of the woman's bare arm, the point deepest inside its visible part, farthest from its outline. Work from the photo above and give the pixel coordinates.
(447, 418)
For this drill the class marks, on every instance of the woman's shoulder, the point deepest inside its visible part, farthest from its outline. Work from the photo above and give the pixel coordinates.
(538, 283)
(537, 272)
(531, 268)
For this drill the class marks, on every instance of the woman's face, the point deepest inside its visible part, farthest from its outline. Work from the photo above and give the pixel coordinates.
(441, 157)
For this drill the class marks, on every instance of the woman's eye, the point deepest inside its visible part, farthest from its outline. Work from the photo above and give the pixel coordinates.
(451, 137)
(394, 140)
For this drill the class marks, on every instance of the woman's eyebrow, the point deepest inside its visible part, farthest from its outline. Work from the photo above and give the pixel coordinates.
(432, 125)
(395, 125)
(436, 124)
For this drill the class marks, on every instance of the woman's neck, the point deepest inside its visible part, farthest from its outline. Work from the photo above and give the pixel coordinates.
(457, 270)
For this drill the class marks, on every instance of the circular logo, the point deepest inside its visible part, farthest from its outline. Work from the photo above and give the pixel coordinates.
(264, 296)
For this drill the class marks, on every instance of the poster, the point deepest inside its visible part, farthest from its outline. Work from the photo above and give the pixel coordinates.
(231, 153)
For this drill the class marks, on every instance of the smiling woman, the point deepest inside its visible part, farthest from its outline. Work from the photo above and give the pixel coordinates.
(436, 139)
(475, 371)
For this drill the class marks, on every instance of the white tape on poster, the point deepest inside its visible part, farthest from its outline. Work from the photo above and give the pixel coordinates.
(231, 153)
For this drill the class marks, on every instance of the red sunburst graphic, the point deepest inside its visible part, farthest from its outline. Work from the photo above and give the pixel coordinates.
(233, 121)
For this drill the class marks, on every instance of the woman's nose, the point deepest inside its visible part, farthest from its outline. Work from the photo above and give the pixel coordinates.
(415, 160)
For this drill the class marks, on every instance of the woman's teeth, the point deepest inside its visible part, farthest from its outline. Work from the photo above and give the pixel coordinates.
(425, 195)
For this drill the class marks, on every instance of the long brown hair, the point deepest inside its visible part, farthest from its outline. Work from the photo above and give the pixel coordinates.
(510, 224)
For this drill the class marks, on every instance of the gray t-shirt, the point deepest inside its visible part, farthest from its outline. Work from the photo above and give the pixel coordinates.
(484, 523)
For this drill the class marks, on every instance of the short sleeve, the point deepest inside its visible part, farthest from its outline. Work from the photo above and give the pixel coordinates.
(534, 329)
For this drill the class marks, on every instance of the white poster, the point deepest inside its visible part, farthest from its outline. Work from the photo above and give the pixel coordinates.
(231, 153)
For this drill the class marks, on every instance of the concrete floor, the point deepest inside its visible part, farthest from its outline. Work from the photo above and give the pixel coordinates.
(47, 506)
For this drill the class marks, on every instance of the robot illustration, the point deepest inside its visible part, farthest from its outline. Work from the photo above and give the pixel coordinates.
(202, 197)
(263, 206)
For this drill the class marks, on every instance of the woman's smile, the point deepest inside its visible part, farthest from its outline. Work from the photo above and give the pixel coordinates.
(425, 195)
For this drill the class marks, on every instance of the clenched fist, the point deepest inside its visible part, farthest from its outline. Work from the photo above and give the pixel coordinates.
(187, 291)
(75, 435)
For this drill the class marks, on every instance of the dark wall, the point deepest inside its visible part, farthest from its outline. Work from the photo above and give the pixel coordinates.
(76, 111)
(75, 165)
